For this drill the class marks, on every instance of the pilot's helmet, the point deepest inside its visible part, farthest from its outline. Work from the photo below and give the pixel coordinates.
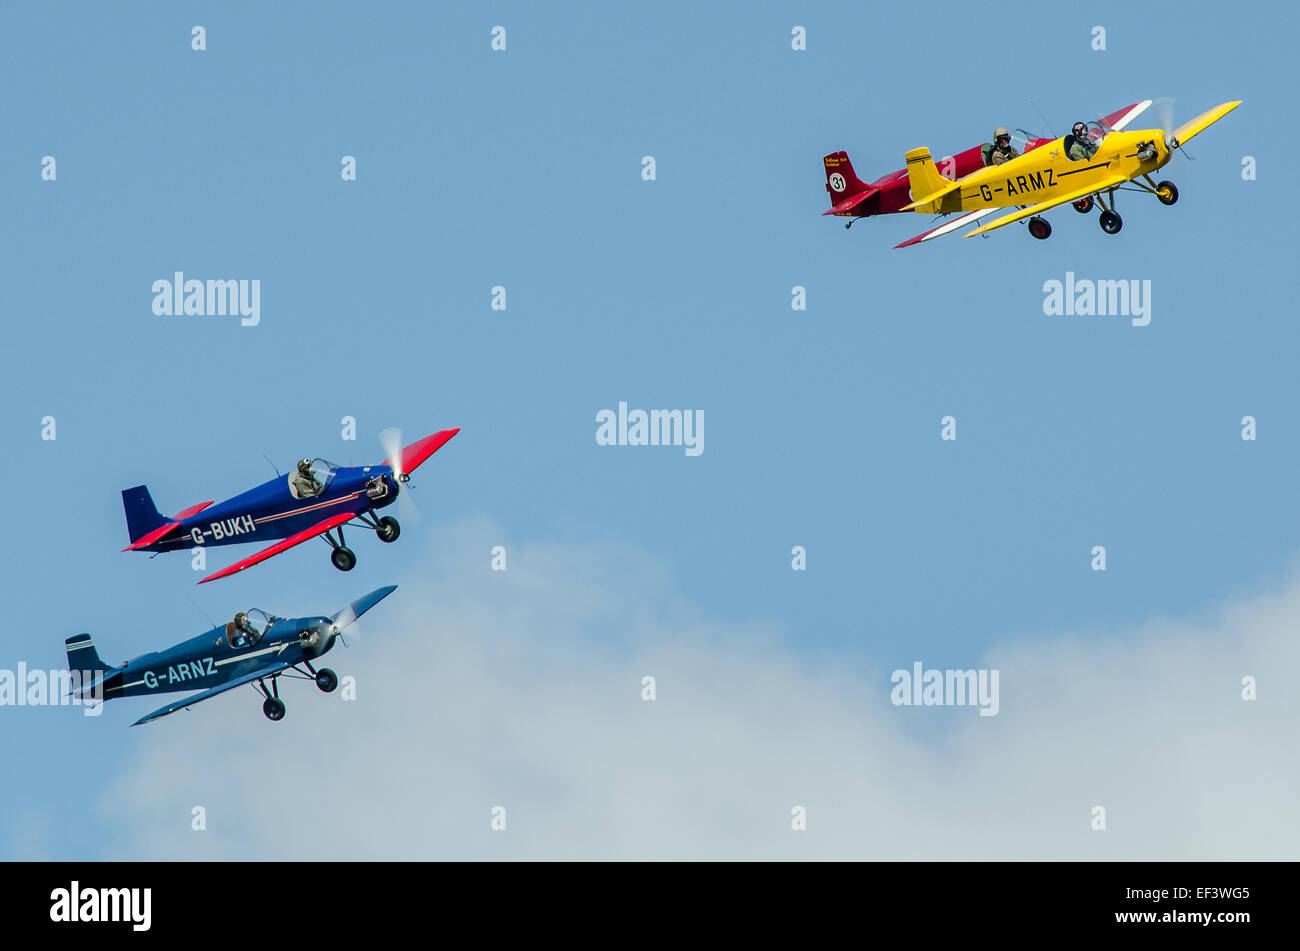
(1000, 133)
(1079, 130)
(304, 466)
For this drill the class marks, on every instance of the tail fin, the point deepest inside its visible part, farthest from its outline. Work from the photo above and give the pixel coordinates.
(82, 654)
(843, 185)
(84, 660)
(928, 187)
(142, 516)
(841, 181)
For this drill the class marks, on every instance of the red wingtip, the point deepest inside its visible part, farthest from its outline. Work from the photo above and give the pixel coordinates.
(420, 450)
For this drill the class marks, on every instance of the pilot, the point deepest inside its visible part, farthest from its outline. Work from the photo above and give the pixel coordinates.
(305, 483)
(1081, 147)
(240, 631)
(1002, 148)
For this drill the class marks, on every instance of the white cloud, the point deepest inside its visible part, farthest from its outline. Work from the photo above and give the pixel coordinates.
(522, 689)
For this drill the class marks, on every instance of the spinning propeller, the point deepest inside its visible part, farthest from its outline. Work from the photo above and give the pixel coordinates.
(1164, 114)
(347, 620)
(391, 440)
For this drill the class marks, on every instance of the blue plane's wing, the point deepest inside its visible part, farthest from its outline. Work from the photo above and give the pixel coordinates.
(268, 670)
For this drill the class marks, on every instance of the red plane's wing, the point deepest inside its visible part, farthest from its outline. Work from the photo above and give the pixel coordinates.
(949, 226)
(320, 528)
(1119, 119)
(414, 454)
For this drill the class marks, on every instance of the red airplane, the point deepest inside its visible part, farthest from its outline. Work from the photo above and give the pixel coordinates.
(853, 198)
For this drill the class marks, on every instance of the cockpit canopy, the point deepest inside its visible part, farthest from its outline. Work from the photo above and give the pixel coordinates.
(314, 482)
(248, 627)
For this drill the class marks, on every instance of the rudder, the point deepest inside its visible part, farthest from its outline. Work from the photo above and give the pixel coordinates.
(82, 654)
(931, 192)
(142, 516)
(841, 181)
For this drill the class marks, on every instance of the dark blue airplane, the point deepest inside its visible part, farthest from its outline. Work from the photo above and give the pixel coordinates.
(317, 498)
(251, 649)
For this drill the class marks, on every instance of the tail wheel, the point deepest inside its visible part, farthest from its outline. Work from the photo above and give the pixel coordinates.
(1040, 228)
(273, 708)
(1167, 192)
(326, 679)
(1083, 205)
(1111, 222)
(388, 529)
(343, 558)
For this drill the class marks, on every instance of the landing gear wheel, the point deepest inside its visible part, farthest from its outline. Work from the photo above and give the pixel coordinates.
(273, 708)
(343, 558)
(388, 529)
(1040, 228)
(1111, 222)
(1083, 205)
(1167, 192)
(326, 679)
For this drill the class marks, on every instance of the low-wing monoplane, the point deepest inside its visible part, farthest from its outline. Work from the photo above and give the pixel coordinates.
(1095, 160)
(316, 498)
(854, 199)
(253, 648)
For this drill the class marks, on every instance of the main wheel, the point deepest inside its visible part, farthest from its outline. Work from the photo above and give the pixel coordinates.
(326, 679)
(388, 529)
(273, 708)
(1040, 228)
(343, 559)
(1167, 192)
(1083, 205)
(1111, 222)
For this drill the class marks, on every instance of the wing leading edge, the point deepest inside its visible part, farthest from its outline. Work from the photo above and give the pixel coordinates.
(320, 528)
(1032, 210)
(268, 670)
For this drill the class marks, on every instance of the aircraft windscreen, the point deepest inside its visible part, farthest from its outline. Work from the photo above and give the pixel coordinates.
(258, 620)
(248, 627)
(314, 482)
(324, 471)
(1097, 132)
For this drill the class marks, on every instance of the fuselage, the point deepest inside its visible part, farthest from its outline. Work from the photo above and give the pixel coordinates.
(210, 659)
(894, 194)
(1047, 172)
(270, 511)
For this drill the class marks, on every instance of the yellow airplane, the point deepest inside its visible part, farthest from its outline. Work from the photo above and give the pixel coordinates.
(1077, 168)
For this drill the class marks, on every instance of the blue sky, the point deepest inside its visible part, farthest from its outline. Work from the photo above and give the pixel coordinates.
(522, 168)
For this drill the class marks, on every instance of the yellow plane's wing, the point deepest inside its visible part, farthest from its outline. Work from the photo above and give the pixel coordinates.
(1092, 189)
(1184, 132)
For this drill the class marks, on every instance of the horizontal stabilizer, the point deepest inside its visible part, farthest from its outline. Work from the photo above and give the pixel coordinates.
(144, 541)
(192, 510)
(852, 202)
